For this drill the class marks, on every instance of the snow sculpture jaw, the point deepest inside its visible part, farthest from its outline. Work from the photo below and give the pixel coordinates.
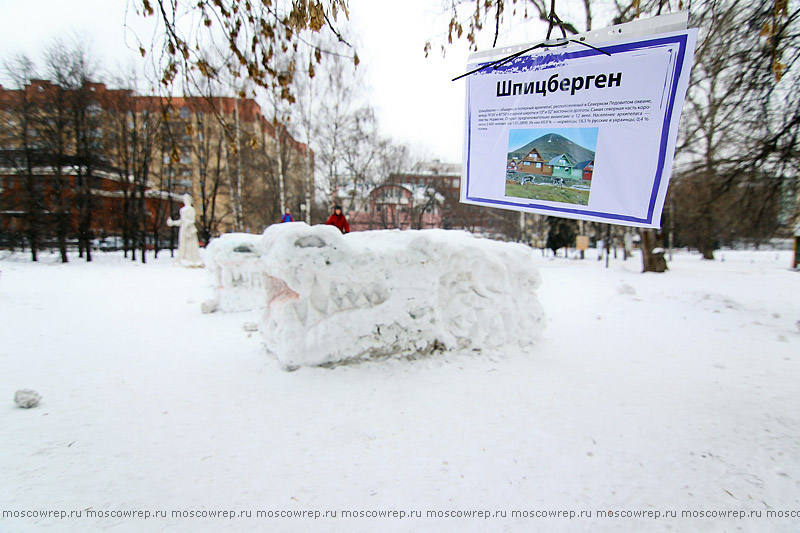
(332, 298)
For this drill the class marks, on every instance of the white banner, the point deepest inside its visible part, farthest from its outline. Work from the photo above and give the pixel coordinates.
(576, 133)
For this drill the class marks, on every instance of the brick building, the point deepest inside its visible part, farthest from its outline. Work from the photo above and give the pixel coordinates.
(107, 197)
(428, 196)
(241, 169)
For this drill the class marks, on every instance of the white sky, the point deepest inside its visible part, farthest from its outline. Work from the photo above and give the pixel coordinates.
(416, 102)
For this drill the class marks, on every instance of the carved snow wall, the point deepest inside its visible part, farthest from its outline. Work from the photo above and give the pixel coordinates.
(329, 298)
(233, 263)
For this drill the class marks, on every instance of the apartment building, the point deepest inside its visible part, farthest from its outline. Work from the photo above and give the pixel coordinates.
(241, 168)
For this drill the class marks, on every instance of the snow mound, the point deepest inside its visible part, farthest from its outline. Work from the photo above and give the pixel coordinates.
(331, 298)
(27, 398)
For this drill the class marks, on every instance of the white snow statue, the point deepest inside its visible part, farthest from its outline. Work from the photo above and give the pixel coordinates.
(188, 249)
(330, 298)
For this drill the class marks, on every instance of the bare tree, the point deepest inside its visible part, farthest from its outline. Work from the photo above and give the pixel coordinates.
(56, 133)
(362, 155)
(85, 112)
(253, 33)
(134, 137)
(737, 152)
(468, 18)
(24, 107)
(208, 152)
(340, 93)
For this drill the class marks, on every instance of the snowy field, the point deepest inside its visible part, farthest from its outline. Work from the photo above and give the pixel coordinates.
(646, 395)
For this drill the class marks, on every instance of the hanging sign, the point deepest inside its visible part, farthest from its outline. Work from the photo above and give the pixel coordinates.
(584, 130)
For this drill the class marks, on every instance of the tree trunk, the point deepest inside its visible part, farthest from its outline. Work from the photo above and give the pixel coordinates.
(32, 214)
(61, 214)
(707, 249)
(238, 214)
(652, 243)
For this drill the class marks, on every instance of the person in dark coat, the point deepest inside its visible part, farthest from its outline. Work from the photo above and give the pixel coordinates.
(337, 219)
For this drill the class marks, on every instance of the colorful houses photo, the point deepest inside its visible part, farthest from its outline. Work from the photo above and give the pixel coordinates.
(554, 165)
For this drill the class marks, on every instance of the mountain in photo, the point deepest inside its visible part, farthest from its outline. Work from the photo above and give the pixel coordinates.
(552, 145)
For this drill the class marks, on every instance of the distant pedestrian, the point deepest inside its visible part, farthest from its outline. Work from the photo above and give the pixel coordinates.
(337, 219)
(287, 217)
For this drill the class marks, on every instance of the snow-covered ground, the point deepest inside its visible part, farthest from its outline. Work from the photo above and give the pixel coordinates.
(645, 394)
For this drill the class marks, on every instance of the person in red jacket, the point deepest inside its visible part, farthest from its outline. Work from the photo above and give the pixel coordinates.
(337, 219)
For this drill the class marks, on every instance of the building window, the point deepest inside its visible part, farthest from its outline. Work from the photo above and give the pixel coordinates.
(184, 112)
(538, 165)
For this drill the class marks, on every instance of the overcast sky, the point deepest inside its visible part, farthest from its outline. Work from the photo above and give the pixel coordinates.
(416, 102)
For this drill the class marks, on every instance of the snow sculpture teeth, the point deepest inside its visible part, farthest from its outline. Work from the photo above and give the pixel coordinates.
(301, 310)
(319, 298)
(329, 298)
(336, 297)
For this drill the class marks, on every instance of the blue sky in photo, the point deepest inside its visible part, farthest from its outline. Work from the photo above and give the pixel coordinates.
(585, 137)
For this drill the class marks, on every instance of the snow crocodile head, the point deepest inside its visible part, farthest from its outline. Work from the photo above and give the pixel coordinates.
(333, 297)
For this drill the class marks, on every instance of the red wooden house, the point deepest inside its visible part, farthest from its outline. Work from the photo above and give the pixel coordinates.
(588, 169)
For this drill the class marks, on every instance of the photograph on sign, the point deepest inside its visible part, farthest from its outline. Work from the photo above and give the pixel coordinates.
(576, 131)
(553, 164)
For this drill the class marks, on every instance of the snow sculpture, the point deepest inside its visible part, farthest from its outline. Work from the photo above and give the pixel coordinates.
(331, 297)
(233, 263)
(327, 297)
(188, 249)
(27, 398)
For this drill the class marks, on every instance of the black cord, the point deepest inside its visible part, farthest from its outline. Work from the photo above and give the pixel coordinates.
(499, 62)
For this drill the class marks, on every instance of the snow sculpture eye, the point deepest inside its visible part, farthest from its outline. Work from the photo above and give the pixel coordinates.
(310, 241)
